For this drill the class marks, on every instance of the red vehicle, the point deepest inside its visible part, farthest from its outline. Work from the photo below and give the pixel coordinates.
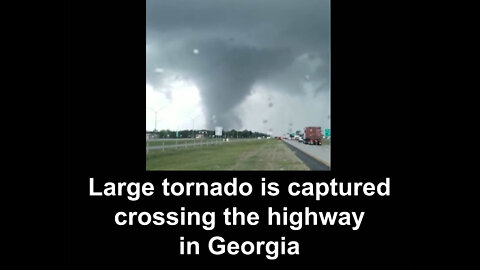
(312, 135)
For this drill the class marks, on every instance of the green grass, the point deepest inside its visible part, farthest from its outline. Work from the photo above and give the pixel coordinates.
(326, 141)
(247, 155)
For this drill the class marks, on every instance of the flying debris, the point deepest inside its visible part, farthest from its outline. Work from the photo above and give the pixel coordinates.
(270, 104)
(159, 70)
(214, 118)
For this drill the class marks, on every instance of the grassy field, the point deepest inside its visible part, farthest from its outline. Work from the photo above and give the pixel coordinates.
(248, 155)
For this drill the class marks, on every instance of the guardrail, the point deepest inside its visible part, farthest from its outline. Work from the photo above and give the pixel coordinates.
(166, 144)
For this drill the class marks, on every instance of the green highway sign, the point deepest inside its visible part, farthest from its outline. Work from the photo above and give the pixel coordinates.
(327, 132)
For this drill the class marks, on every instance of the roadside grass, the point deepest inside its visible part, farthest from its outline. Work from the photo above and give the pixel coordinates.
(326, 141)
(247, 155)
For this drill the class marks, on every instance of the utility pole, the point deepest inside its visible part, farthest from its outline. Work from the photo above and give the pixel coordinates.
(193, 126)
(155, 111)
(155, 121)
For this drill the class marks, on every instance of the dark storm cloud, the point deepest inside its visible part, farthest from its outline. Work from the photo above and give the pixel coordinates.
(281, 43)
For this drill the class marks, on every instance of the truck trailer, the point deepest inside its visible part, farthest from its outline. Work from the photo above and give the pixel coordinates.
(312, 135)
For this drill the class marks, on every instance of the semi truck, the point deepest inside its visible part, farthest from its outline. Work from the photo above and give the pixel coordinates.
(312, 135)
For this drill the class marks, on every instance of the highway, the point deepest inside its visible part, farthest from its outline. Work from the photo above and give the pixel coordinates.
(316, 157)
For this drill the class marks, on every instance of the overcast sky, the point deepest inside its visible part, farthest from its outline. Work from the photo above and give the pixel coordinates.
(261, 65)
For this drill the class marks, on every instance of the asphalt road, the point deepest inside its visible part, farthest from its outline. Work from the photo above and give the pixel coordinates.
(316, 157)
